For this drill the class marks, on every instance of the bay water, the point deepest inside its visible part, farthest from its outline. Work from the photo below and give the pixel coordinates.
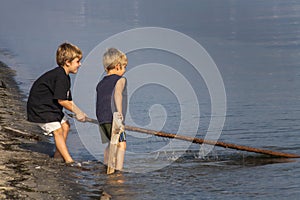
(255, 47)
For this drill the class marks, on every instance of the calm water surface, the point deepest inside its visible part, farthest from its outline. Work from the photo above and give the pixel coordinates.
(255, 45)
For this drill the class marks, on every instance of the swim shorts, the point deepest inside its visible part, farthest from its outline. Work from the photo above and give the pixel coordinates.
(48, 128)
(105, 131)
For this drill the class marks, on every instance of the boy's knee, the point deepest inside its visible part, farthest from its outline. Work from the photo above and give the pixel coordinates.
(66, 126)
(58, 132)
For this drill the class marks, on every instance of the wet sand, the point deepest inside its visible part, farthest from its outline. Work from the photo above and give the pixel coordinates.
(26, 173)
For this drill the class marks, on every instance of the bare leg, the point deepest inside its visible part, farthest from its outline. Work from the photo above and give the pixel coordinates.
(106, 152)
(120, 155)
(61, 146)
(65, 127)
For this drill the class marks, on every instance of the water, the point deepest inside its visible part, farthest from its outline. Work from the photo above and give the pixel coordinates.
(255, 45)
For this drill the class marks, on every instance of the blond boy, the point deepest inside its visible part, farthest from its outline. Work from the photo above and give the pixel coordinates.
(50, 93)
(111, 97)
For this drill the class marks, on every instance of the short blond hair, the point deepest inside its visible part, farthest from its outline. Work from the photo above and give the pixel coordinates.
(113, 57)
(67, 52)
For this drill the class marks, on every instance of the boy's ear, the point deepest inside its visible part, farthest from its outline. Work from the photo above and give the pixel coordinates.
(118, 67)
(67, 63)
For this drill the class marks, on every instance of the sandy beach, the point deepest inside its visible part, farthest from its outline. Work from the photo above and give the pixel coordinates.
(26, 173)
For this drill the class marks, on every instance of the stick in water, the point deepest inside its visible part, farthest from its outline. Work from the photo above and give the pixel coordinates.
(202, 141)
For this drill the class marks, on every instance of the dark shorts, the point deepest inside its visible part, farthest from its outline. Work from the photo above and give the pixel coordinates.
(105, 131)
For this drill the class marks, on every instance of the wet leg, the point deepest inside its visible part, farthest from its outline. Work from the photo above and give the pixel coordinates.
(106, 152)
(61, 146)
(65, 127)
(120, 155)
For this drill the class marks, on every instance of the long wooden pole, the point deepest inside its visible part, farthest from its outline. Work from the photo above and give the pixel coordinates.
(211, 142)
(202, 141)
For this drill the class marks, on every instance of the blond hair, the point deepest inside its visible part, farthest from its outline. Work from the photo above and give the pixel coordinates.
(113, 57)
(67, 52)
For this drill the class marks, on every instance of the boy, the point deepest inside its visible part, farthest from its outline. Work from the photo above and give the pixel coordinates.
(50, 93)
(111, 97)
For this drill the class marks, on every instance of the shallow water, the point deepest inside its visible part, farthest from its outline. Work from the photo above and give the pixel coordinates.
(255, 45)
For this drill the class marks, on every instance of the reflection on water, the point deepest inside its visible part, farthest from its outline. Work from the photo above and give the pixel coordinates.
(220, 166)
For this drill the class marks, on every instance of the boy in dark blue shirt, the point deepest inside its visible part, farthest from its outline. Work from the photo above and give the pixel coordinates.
(111, 97)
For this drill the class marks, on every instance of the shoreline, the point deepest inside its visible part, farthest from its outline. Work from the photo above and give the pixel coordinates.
(26, 173)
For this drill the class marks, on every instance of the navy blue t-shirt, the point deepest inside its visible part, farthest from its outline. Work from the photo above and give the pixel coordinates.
(42, 104)
(104, 104)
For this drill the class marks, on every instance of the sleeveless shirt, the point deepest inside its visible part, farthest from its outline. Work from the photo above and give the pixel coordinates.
(105, 105)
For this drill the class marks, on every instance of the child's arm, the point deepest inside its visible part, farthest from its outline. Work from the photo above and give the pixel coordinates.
(118, 96)
(71, 106)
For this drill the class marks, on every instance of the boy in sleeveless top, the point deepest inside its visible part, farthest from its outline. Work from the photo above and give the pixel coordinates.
(50, 93)
(112, 97)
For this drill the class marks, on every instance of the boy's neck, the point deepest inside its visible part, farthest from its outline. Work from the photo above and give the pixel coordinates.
(66, 69)
(112, 71)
